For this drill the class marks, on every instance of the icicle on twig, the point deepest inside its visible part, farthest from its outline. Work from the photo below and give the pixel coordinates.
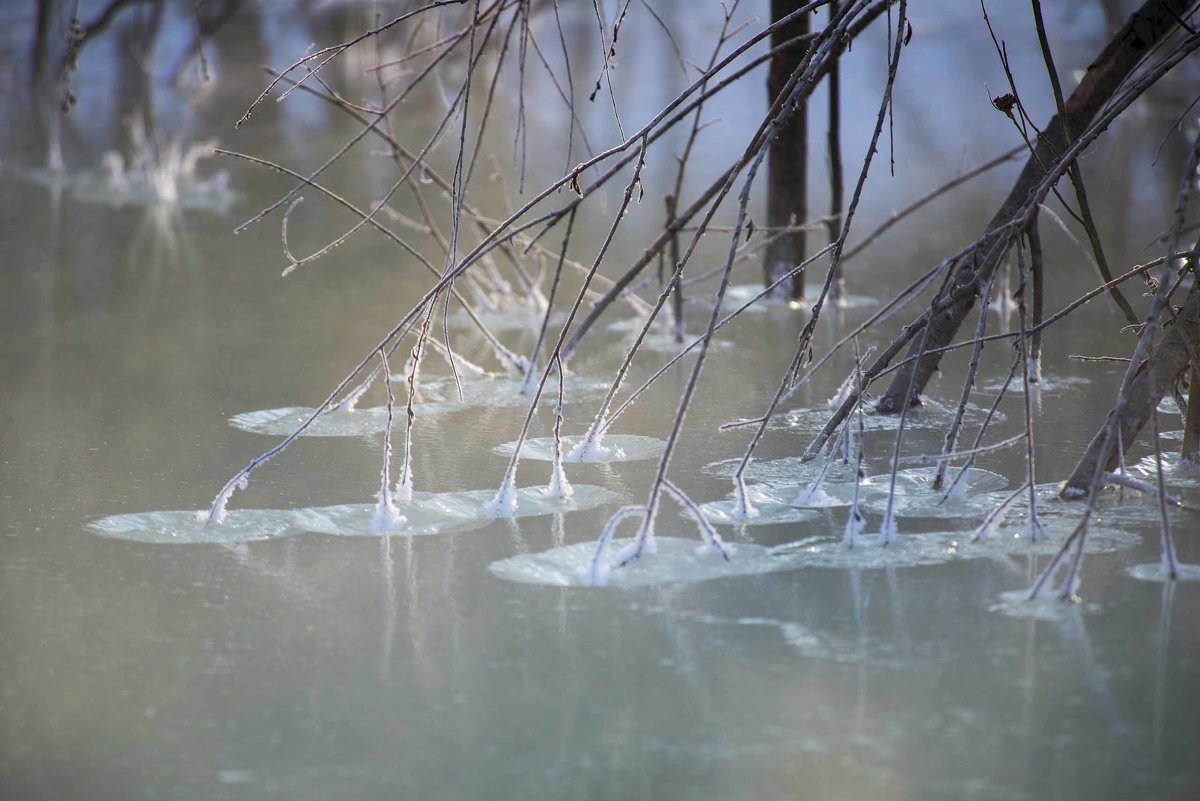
(855, 523)
(559, 486)
(596, 573)
(1033, 526)
(404, 483)
(387, 517)
(814, 494)
(708, 534)
(996, 516)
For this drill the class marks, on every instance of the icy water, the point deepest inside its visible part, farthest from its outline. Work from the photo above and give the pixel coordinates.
(310, 659)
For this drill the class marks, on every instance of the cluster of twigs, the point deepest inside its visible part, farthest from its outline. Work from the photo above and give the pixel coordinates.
(481, 261)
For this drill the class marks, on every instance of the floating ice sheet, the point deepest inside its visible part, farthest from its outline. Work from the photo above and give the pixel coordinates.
(661, 336)
(776, 504)
(915, 496)
(675, 560)
(768, 512)
(508, 316)
(930, 414)
(931, 548)
(788, 470)
(437, 397)
(502, 391)
(1050, 384)
(685, 560)
(662, 341)
(429, 513)
(173, 183)
(1176, 472)
(1113, 506)
(737, 294)
(1047, 606)
(617, 448)
(1014, 540)
(906, 550)
(241, 525)
(1168, 405)
(421, 519)
(335, 423)
(1156, 571)
(253, 525)
(531, 501)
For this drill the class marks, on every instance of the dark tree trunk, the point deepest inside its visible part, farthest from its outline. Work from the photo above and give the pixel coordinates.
(787, 160)
(1168, 359)
(1154, 20)
(834, 143)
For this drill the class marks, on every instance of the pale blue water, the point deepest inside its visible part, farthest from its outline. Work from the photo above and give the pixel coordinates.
(326, 666)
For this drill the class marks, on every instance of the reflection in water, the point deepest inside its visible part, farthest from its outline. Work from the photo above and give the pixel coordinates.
(1162, 651)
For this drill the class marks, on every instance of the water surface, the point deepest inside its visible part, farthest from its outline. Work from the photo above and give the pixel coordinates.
(321, 666)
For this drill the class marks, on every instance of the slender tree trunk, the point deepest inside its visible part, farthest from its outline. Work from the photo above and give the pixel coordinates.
(836, 183)
(1153, 21)
(787, 161)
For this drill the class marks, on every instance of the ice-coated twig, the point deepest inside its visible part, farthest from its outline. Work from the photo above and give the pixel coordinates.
(795, 90)
(456, 360)
(961, 476)
(559, 486)
(370, 125)
(591, 440)
(350, 402)
(327, 54)
(596, 573)
(1030, 360)
(216, 512)
(849, 382)
(527, 382)
(832, 40)
(283, 233)
(965, 396)
(931, 459)
(556, 353)
(880, 366)
(1147, 488)
(505, 356)
(814, 494)
(790, 376)
(386, 517)
(996, 516)
(707, 533)
(855, 522)
(358, 225)
(404, 484)
(1167, 555)
(743, 509)
(695, 343)
(684, 158)
(887, 527)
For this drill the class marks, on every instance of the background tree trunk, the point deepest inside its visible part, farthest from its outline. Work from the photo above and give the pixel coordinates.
(787, 160)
